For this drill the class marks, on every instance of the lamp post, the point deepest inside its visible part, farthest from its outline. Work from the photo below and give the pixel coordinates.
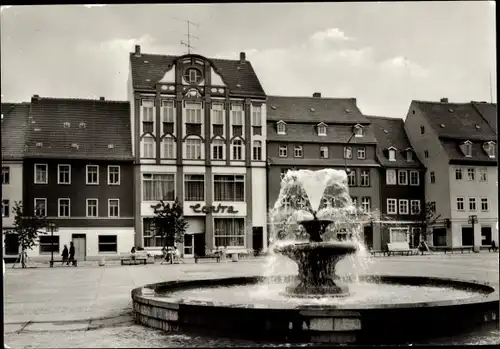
(345, 153)
(51, 226)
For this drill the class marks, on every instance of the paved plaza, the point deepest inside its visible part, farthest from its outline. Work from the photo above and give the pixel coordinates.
(90, 306)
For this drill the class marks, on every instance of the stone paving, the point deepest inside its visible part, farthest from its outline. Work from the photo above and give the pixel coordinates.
(90, 306)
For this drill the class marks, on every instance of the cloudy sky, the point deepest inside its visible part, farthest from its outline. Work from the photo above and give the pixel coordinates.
(384, 54)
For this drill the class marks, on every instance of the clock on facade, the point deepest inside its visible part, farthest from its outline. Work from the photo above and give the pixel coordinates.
(193, 75)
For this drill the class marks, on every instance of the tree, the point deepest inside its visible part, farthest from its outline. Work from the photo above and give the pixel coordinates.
(429, 217)
(169, 222)
(27, 228)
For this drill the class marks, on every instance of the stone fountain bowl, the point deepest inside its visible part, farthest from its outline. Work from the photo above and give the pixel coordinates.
(327, 248)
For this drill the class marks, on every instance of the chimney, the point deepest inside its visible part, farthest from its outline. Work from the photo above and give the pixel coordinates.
(138, 50)
(243, 57)
(317, 94)
(35, 98)
(101, 98)
(444, 100)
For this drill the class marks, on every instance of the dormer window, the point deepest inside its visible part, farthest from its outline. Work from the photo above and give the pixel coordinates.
(66, 124)
(467, 148)
(392, 154)
(321, 129)
(358, 130)
(489, 148)
(281, 127)
(409, 155)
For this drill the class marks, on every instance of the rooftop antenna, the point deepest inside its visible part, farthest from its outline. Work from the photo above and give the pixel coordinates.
(189, 36)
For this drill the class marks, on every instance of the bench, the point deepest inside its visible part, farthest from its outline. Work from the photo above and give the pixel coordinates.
(139, 258)
(74, 262)
(215, 256)
(379, 252)
(401, 248)
(453, 249)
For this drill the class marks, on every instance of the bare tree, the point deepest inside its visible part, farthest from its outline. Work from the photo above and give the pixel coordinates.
(428, 219)
(169, 222)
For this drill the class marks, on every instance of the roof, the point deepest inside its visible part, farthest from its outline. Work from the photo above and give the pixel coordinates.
(148, 69)
(314, 110)
(390, 132)
(452, 148)
(456, 120)
(14, 127)
(489, 112)
(93, 125)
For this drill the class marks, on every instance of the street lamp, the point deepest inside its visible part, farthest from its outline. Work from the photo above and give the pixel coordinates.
(51, 226)
(345, 153)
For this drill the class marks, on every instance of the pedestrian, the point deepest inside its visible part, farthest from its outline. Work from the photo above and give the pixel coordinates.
(132, 254)
(71, 253)
(493, 246)
(65, 254)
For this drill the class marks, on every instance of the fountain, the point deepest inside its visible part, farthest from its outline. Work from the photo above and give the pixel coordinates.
(318, 304)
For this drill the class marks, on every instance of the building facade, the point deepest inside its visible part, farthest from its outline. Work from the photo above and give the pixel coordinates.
(457, 146)
(14, 123)
(315, 133)
(198, 135)
(78, 172)
(402, 180)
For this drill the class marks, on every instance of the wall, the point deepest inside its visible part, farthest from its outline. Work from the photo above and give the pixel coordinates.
(312, 150)
(12, 191)
(259, 204)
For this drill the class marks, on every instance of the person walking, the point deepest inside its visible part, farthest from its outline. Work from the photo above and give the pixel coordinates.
(65, 254)
(71, 253)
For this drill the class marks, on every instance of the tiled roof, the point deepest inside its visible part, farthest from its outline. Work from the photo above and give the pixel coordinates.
(390, 132)
(452, 148)
(292, 161)
(93, 126)
(456, 120)
(314, 110)
(307, 133)
(240, 77)
(489, 113)
(14, 127)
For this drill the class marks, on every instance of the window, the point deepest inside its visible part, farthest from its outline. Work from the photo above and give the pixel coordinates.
(218, 149)
(391, 206)
(40, 207)
(392, 155)
(321, 130)
(399, 234)
(351, 178)
(422, 130)
(472, 204)
(415, 207)
(217, 114)
(490, 149)
(460, 204)
(64, 207)
(484, 205)
(5, 175)
(229, 232)
(403, 177)
(347, 153)
(298, 153)
(41, 174)
(483, 174)
(151, 239)
(283, 151)
(365, 178)
(5, 208)
(237, 114)
(92, 208)
(168, 144)
(366, 204)
(283, 172)
(323, 152)
(229, 188)
(361, 153)
(193, 148)
(193, 113)
(148, 147)
(113, 208)
(48, 243)
(281, 128)
(108, 243)
(471, 174)
(92, 174)
(414, 178)
(433, 177)
(358, 131)
(256, 115)
(63, 174)
(195, 187)
(156, 187)
(458, 174)
(113, 175)
(390, 177)
(237, 149)
(147, 111)
(468, 149)
(403, 206)
(354, 200)
(167, 111)
(257, 150)
(426, 153)
(409, 156)
(192, 75)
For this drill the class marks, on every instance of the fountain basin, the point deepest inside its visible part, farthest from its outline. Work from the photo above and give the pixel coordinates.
(307, 321)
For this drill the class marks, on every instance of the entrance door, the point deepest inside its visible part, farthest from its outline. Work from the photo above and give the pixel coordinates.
(258, 236)
(11, 244)
(485, 236)
(79, 240)
(439, 236)
(188, 245)
(467, 236)
(199, 244)
(368, 236)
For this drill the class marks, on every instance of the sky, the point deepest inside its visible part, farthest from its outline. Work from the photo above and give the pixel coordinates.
(383, 54)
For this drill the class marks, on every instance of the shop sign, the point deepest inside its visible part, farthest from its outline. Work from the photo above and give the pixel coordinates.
(212, 209)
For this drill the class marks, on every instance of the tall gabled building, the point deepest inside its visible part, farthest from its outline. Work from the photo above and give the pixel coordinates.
(402, 180)
(198, 134)
(315, 133)
(458, 147)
